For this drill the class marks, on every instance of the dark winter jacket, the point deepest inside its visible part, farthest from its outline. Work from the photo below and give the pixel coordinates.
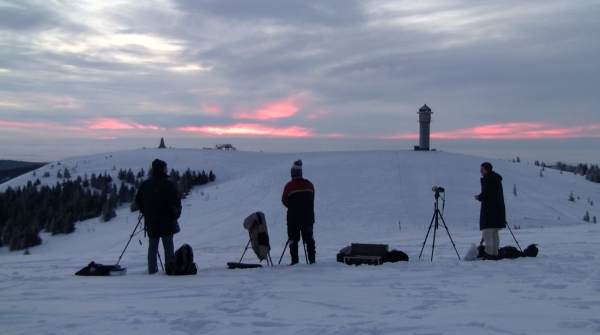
(158, 200)
(493, 213)
(299, 198)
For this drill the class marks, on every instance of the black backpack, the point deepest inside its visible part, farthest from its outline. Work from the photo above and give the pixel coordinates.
(183, 262)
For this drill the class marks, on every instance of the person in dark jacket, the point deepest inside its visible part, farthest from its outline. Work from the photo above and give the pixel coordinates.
(299, 197)
(492, 216)
(159, 202)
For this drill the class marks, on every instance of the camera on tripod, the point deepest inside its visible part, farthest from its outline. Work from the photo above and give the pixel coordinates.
(437, 215)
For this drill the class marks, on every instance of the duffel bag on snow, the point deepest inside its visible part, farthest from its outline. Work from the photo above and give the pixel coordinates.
(94, 269)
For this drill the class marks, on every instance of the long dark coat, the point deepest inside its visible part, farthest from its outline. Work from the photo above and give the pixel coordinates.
(159, 201)
(493, 212)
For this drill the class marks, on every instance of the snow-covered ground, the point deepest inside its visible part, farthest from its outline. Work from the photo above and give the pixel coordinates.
(361, 197)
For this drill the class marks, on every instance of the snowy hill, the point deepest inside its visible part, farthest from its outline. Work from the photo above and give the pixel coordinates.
(364, 197)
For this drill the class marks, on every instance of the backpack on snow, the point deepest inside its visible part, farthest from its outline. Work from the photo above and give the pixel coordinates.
(183, 262)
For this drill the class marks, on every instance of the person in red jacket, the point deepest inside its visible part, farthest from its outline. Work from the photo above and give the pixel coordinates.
(299, 198)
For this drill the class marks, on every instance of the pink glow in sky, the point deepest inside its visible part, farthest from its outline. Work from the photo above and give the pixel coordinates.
(274, 111)
(510, 131)
(526, 130)
(250, 129)
(112, 124)
(210, 110)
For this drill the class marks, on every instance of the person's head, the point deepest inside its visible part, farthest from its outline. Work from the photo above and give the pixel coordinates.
(158, 165)
(485, 168)
(296, 170)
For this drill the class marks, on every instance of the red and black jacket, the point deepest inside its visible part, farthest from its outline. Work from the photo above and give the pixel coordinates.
(299, 198)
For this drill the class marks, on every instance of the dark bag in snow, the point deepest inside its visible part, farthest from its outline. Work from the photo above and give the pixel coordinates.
(530, 251)
(511, 252)
(394, 256)
(183, 262)
(94, 269)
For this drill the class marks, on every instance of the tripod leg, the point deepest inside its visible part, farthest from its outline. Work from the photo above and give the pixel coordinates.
(130, 237)
(427, 235)
(161, 263)
(245, 250)
(444, 222)
(513, 235)
(435, 215)
(280, 258)
(305, 254)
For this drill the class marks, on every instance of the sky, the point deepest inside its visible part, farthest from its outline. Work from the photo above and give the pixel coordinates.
(310, 74)
(374, 197)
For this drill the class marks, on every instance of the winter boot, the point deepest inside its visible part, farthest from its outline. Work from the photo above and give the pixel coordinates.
(311, 255)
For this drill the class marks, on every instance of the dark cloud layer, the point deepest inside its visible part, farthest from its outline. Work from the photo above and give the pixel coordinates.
(352, 68)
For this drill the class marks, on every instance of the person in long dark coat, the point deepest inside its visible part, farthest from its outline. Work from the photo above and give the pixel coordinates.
(159, 202)
(299, 198)
(492, 216)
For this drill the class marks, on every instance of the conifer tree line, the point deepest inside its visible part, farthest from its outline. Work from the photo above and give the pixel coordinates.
(28, 210)
(591, 173)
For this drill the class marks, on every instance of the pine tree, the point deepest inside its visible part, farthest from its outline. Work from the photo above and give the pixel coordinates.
(571, 197)
(586, 217)
(67, 174)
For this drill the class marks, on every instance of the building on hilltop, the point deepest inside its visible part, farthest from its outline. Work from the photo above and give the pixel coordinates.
(224, 147)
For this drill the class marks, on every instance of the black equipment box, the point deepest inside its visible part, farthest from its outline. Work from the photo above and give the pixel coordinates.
(370, 254)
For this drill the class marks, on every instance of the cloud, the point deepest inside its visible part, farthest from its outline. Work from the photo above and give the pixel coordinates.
(38, 125)
(251, 130)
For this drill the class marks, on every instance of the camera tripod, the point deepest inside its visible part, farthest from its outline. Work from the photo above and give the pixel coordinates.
(436, 216)
(141, 228)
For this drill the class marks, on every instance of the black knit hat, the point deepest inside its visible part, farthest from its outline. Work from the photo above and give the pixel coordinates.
(296, 168)
(487, 166)
(158, 165)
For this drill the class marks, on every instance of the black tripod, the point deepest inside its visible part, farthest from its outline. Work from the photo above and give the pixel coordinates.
(437, 214)
(135, 232)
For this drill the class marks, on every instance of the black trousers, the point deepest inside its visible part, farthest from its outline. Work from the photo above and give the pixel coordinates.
(294, 233)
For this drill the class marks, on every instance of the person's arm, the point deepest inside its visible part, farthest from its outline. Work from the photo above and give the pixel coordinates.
(284, 196)
(174, 202)
(138, 200)
(487, 189)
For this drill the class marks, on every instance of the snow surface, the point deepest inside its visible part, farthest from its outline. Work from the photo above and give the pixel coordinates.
(361, 197)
